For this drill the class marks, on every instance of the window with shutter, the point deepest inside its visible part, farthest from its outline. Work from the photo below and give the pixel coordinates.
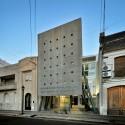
(120, 66)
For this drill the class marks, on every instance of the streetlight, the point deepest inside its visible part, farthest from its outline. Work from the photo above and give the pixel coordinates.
(22, 97)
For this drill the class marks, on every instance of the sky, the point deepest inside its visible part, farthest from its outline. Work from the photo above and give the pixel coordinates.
(16, 41)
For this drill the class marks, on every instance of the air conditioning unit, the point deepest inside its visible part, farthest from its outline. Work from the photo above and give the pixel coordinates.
(107, 74)
(107, 68)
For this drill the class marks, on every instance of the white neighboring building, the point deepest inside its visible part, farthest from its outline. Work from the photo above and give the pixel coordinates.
(112, 78)
(90, 67)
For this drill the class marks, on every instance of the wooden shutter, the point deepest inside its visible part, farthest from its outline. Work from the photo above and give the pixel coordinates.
(120, 66)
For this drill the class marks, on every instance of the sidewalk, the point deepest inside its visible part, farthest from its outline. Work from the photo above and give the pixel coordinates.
(71, 116)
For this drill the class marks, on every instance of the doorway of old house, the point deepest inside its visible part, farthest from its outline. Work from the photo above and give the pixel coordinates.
(28, 101)
(116, 100)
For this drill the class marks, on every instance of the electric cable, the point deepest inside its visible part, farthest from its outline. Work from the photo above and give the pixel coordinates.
(30, 26)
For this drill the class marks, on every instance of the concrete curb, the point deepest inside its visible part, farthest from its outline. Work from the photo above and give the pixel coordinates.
(69, 117)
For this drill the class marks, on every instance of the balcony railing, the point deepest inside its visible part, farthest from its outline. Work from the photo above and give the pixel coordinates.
(119, 73)
(8, 86)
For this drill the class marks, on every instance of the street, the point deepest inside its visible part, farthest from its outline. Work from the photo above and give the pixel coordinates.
(8, 120)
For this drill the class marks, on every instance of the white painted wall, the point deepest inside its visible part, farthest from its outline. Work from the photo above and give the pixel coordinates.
(110, 82)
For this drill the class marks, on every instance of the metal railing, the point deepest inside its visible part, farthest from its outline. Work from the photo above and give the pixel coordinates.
(7, 83)
(8, 86)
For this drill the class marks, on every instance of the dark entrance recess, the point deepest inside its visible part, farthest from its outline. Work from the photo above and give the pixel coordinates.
(75, 100)
(28, 101)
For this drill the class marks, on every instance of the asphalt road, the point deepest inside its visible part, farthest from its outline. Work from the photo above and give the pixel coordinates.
(8, 120)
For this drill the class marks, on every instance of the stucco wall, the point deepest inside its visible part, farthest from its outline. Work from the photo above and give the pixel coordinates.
(14, 99)
(110, 82)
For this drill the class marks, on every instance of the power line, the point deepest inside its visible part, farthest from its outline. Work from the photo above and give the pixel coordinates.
(35, 24)
(107, 27)
(30, 26)
(35, 17)
(115, 23)
(104, 18)
(101, 17)
(35, 35)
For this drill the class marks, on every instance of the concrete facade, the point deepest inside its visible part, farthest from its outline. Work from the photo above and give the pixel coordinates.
(12, 78)
(107, 56)
(59, 60)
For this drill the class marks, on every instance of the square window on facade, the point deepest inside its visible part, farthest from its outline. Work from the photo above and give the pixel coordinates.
(30, 77)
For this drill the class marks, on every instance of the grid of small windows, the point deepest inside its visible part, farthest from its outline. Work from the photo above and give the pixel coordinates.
(57, 65)
(64, 73)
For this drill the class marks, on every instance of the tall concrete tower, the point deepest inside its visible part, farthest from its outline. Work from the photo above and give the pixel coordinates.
(60, 60)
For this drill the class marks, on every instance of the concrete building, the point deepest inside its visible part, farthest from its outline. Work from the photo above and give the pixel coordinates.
(12, 78)
(112, 74)
(60, 66)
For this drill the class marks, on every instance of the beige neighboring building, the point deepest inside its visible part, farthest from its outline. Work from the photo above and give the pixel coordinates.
(12, 78)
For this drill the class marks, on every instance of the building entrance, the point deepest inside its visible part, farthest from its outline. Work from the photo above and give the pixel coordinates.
(116, 100)
(75, 100)
(28, 101)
